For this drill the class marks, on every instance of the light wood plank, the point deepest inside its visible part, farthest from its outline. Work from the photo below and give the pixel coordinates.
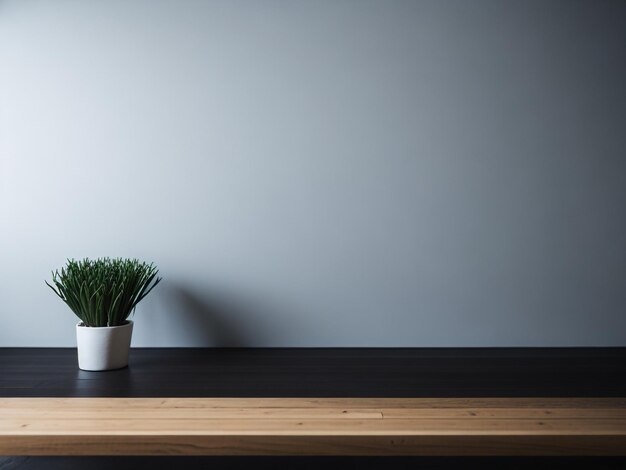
(312, 426)
(172, 412)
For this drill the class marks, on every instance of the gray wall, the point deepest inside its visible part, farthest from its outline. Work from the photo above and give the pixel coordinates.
(320, 173)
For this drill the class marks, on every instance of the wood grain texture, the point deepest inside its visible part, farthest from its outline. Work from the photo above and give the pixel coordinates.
(313, 426)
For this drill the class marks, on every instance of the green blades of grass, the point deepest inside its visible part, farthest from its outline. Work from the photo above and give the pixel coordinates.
(105, 291)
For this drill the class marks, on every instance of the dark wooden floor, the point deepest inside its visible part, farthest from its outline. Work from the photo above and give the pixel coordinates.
(318, 373)
(321, 373)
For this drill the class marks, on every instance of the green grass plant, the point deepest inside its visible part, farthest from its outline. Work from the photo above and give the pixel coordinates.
(105, 291)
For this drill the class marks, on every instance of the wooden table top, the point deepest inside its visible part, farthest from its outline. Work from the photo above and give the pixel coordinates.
(313, 426)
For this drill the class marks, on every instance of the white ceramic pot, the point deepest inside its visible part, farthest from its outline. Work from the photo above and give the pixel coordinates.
(103, 348)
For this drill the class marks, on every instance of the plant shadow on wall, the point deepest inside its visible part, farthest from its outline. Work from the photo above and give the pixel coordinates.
(209, 319)
(206, 316)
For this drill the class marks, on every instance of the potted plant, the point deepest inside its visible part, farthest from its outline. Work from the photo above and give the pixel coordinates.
(103, 293)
